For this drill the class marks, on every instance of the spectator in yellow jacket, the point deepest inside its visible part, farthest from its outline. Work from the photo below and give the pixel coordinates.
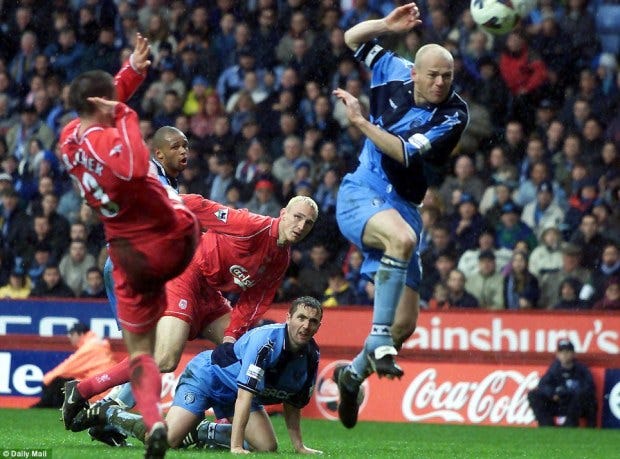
(18, 287)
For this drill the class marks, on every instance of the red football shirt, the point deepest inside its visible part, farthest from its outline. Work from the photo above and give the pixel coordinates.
(111, 167)
(240, 253)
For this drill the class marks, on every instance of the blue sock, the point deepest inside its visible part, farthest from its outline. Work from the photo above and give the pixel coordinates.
(389, 284)
(129, 424)
(125, 397)
(108, 282)
(215, 434)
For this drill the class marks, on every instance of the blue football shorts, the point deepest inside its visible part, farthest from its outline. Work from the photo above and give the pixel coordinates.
(199, 389)
(362, 194)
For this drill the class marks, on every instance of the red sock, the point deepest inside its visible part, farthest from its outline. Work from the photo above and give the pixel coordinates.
(118, 374)
(146, 388)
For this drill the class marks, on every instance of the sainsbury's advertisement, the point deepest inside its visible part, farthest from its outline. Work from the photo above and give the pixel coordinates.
(495, 331)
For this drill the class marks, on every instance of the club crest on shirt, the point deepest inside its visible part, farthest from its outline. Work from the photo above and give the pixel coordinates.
(221, 215)
(377, 202)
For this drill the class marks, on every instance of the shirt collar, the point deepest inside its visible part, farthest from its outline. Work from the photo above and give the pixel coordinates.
(275, 227)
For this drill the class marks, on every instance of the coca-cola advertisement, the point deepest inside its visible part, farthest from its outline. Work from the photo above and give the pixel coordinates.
(436, 392)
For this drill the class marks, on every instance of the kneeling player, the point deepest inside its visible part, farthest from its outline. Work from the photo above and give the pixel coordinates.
(268, 365)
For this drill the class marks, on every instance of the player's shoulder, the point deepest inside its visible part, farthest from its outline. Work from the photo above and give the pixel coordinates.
(269, 332)
(68, 130)
(454, 101)
(453, 111)
(313, 350)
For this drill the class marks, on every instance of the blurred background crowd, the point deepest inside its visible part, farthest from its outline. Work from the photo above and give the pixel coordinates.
(527, 215)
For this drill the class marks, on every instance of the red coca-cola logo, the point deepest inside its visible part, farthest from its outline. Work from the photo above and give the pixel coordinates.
(500, 397)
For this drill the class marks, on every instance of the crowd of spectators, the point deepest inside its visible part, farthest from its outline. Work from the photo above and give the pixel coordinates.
(527, 215)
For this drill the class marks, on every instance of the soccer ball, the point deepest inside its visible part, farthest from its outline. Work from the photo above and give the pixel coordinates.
(498, 16)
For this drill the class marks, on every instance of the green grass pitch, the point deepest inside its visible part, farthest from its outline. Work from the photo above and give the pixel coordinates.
(42, 429)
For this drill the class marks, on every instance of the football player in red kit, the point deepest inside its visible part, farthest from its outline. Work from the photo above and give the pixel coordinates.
(150, 232)
(242, 253)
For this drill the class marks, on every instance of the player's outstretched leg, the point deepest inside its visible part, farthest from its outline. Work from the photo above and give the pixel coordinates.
(72, 404)
(349, 387)
(379, 346)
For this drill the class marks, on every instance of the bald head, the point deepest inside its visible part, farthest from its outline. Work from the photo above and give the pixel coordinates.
(432, 74)
(163, 134)
(170, 147)
(430, 52)
(297, 219)
(296, 200)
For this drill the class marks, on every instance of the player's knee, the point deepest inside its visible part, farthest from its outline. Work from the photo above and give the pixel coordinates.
(167, 361)
(174, 442)
(402, 244)
(270, 446)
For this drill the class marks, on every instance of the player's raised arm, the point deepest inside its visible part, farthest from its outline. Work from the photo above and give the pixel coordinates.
(139, 59)
(132, 74)
(215, 216)
(389, 144)
(399, 20)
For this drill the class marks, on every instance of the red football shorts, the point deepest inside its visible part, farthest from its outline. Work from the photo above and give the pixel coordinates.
(142, 268)
(193, 301)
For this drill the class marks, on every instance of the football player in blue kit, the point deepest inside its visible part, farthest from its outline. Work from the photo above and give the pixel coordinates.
(268, 365)
(416, 120)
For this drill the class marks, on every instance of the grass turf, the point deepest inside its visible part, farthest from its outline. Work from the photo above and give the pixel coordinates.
(42, 429)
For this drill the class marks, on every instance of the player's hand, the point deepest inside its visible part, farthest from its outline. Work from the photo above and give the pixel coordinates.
(238, 450)
(352, 104)
(105, 105)
(305, 450)
(140, 57)
(403, 18)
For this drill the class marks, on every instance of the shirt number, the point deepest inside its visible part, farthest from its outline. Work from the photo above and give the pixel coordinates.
(90, 185)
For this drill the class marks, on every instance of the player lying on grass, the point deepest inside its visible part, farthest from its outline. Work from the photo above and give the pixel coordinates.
(268, 365)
